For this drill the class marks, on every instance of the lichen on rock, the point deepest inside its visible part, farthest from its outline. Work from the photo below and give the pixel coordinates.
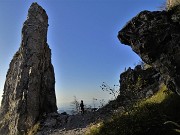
(29, 89)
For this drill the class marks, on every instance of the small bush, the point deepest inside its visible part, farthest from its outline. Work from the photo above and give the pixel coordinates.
(146, 117)
(94, 129)
(34, 129)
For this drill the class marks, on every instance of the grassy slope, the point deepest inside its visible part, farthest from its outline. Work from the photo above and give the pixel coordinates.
(147, 117)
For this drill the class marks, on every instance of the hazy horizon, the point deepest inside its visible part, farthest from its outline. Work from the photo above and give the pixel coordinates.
(82, 35)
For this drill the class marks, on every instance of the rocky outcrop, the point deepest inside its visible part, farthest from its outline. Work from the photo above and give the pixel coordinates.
(138, 83)
(172, 3)
(154, 36)
(29, 89)
(135, 84)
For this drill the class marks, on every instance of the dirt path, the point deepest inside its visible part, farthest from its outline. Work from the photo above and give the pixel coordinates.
(59, 124)
(78, 131)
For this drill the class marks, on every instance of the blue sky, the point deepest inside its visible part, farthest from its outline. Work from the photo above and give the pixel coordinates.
(83, 37)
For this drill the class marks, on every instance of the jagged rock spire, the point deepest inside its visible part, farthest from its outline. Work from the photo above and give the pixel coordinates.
(29, 89)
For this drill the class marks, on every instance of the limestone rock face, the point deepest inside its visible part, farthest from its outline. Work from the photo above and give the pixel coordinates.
(29, 89)
(155, 37)
(172, 3)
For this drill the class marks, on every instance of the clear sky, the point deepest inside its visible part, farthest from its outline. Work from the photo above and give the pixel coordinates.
(82, 35)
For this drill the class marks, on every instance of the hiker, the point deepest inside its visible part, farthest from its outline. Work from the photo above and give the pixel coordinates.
(82, 107)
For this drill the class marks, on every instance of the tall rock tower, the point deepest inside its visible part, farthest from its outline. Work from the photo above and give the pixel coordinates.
(29, 89)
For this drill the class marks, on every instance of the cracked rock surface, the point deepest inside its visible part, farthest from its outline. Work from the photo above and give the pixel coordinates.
(155, 37)
(29, 89)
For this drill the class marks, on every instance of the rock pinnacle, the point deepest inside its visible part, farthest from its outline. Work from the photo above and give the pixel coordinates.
(29, 90)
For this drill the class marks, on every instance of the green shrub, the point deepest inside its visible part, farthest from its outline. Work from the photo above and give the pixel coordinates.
(146, 117)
